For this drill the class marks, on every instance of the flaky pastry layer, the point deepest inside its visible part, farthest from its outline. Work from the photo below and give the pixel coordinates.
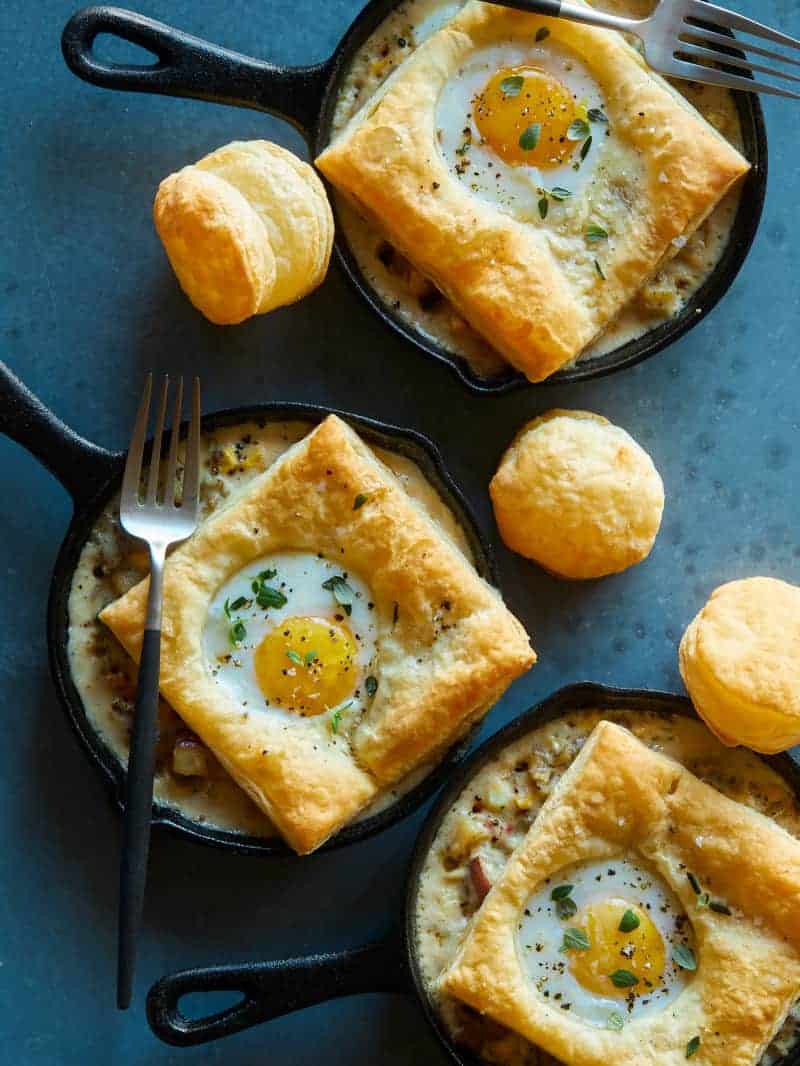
(620, 797)
(578, 495)
(247, 228)
(532, 287)
(447, 646)
(740, 661)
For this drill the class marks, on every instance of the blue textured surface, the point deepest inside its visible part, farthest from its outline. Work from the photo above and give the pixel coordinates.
(88, 305)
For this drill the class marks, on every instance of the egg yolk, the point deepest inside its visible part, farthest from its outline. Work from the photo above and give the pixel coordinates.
(306, 665)
(516, 99)
(641, 951)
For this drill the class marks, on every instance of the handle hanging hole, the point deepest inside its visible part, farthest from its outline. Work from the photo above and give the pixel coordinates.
(115, 51)
(200, 1006)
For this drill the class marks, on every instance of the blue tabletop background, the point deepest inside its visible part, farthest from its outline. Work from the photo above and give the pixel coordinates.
(88, 305)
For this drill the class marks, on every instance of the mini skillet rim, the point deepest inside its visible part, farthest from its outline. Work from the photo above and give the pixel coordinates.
(413, 445)
(743, 232)
(575, 697)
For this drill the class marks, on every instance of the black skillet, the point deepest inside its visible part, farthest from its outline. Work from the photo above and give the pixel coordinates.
(272, 989)
(275, 988)
(92, 476)
(306, 97)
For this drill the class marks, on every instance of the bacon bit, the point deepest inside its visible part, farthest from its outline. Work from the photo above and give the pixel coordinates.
(480, 882)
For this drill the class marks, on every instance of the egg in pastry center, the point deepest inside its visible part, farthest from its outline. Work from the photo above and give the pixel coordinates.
(524, 115)
(607, 941)
(522, 125)
(618, 929)
(307, 665)
(295, 635)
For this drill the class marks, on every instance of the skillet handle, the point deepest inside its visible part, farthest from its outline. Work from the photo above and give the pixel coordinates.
(188, 66)
(82, 467)
(272, 989)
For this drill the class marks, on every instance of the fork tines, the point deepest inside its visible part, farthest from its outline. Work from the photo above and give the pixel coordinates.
(703, 45)
(160, 490)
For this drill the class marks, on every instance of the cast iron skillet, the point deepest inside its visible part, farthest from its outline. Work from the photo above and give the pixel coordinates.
(306, 97)
(92, 476)
(271, 989)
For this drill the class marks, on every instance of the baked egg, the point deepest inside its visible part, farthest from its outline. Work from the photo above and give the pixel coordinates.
(521, 124)
(295, 633)
(607, 941)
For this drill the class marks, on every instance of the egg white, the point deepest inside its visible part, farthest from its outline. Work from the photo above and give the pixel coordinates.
(541, 933)
(300, 576)
(515, 190)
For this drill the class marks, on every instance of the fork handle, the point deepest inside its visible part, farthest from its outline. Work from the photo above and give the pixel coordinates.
(572, 12)
(139, 791)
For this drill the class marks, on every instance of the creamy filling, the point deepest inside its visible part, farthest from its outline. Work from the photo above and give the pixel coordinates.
(417, 301)
(492, 816)
(188, 777)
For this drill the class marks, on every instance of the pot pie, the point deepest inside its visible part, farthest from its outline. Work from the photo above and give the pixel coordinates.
(732, 876)
(491, 817)
(740, 661)
(319, 699)
(578, 495)
(538, 264)
(189, 779)
(246, 229)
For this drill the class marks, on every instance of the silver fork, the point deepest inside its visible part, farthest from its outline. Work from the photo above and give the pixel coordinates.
(686, 38)
(159, 520)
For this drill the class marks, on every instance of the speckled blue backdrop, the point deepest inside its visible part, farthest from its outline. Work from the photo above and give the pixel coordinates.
(88, 304)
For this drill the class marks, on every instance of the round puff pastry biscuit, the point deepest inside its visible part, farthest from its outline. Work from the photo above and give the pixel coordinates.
(216, 245)
(288, 214)
(740, 662)
(578, 495)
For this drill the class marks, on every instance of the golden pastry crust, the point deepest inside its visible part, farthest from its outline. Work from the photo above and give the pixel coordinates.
(531, 287)
(293, 206)
(281, 214)
(578, 495)
(620, 797)
(740, 662)
(216, 245)
(446, 652)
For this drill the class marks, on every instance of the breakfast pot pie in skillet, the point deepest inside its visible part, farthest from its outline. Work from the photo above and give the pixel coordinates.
(705, 963)
(324, 637)
(536, 171)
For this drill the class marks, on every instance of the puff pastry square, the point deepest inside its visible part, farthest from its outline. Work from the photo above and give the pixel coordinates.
(439, 667)
(621, 797)
(531, 288)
